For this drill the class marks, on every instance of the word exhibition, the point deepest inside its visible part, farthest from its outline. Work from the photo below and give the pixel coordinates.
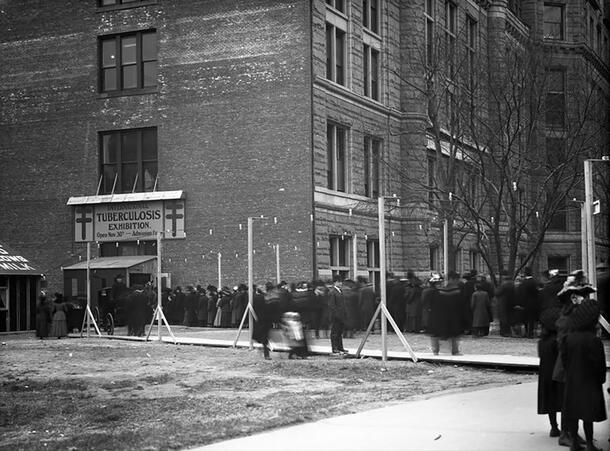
(129, 221)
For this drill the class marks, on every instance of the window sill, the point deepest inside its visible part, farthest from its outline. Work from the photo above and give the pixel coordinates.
(103, 9)
(128, 92)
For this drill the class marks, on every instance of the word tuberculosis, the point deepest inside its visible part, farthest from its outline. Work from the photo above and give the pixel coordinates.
(128, 220)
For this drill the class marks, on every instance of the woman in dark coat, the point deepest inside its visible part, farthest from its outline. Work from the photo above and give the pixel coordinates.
(212, 296)
(584, 365)
(59, 327)
(225, 307)
(480, 306)
(43, 317)
(550, 392)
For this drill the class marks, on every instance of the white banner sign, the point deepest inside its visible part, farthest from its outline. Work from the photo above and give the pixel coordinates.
(127, 221)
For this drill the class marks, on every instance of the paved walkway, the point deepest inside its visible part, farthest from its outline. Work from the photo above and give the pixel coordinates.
(493, 419)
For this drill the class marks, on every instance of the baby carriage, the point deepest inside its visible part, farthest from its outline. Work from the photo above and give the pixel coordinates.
(292, 329)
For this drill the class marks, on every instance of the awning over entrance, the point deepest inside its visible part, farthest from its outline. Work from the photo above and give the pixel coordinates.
(12, 263)
(112, 262)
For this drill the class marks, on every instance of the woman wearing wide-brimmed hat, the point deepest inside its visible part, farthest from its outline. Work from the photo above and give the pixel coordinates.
(582, 357)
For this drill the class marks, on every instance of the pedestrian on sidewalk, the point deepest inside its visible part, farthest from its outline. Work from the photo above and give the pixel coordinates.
(59, 326)
(550, 392)
(338, 314)
(43, 316)
(263, 322)
(480, 306)
(447, 319)
(584, 362)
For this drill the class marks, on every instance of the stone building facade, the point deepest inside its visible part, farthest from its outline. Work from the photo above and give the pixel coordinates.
(294, 112)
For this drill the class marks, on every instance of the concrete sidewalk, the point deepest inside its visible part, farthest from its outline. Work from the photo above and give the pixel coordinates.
(492, 419)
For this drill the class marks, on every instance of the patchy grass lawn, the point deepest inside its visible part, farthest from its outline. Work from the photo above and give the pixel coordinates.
(90, 394)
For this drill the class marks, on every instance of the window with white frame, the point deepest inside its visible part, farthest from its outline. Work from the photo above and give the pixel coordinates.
(336, 145)
(371, 71)
(370, 15)
(429, 18)
(340, 258)
(372, 153)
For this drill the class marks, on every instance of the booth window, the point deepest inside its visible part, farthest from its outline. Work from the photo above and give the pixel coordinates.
(128, 61)
(128, 160)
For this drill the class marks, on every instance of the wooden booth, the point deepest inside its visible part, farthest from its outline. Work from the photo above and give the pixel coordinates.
(138, 269)
(20, 285)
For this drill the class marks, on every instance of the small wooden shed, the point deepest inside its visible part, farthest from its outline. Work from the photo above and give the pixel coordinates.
(20, 285)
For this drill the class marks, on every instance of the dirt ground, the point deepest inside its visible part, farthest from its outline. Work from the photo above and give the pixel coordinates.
(97, 394)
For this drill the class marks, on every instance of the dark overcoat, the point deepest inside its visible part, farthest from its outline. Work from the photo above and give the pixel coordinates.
(585, 372)
(480, 305)
(447, 318)
(337, 307)
(550, 392)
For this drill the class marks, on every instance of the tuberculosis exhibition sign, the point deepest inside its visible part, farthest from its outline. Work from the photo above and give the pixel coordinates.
(129, 217)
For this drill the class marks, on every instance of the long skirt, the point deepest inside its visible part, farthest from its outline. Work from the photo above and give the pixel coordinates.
(218, 318)
(59, 328)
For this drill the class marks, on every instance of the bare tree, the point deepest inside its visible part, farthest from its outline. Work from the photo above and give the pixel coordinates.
(509, 135)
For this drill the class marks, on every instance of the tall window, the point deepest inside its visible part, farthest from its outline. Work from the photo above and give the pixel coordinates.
(555, 98)
(370, 15)
(335, 53)
(553, 21)
(373, 261)
(340, 247)
(450, 37)
(128, 61)
(339, 5)
(128, 160)
(371, 72)
(471, 49)
(591, 32)
(429, 15)
(336, 140)
(434, 258)
(372, 148)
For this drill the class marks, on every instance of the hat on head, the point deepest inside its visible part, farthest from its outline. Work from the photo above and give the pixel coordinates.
(571, 286)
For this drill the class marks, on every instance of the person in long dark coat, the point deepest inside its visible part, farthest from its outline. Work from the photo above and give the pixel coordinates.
(396, 301)
(505, 300)
(480, 306)
(427, 296)
(368, 304)
(202, 307)
(337, 307)
(352, 320)
(550, 392)
(137, 301)
(191, 301)
(529, 294)
(584, 363)
(43, 317)
(413, 306)
(263, 322)
(212, 295)
(59, 326)
(240, 301)
(224, 304)
(447, 315)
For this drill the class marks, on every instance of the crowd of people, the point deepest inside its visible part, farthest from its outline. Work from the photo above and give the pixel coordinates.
(51, 320)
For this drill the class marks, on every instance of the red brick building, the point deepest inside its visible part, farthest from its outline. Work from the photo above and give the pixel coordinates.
(222, 110)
